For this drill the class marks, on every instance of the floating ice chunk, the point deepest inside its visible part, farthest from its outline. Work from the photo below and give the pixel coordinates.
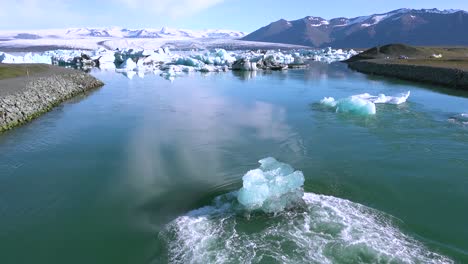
(352, 105)
(107, 60)
(328, 101)
(36, 58)
(27, 58)
(187, 61)
(147, 52)
(219, 57)
(363, 104)
(355, 105)
(158, 57)
(226, 58)
(128, 65)
(244, 65)
(272, 188)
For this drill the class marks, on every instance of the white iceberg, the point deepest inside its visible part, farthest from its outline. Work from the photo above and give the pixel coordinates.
(128, 65)
(27, 58)
(107, 60)
(273, 187)
(187, 61)
(355, 105)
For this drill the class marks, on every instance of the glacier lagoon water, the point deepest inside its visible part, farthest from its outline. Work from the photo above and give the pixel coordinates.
(145, 171)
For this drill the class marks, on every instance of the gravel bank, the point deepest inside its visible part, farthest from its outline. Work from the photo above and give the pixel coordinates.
(25, 98)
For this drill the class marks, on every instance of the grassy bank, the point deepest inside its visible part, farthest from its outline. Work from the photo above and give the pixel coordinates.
(436, 65)
(19, 70)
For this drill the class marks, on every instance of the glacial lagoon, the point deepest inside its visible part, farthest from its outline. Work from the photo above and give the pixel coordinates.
(148, 171)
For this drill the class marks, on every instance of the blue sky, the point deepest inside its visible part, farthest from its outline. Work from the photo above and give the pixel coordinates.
(244, 15)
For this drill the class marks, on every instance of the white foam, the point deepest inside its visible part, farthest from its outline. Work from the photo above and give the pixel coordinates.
(385, 99)
(460, 118)
(320, 229)
(327, 230)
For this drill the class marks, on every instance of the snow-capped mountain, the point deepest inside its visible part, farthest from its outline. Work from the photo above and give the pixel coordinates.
(411, 26)
(115, 32)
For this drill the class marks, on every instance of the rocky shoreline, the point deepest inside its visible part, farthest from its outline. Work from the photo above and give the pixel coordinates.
(25, 98)
(450, 77)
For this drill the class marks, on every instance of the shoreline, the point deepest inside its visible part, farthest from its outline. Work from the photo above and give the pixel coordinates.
(446, 76)
(25, 98)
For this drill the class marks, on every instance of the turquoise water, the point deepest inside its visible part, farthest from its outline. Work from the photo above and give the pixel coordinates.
(114, 176)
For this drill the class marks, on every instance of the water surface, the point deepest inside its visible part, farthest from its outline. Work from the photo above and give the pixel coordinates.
(100, 178)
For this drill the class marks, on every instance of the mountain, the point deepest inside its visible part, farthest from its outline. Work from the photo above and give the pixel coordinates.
(116, 32)
(430, 27)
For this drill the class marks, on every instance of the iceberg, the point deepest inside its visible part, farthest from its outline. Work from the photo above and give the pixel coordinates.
(27, 58)
(107, 60)
(272, 188)
(352, 105)
(128, 65)
(244, 65)
(363, 104)
(355, 105)
(187, 61)
(219, 57)
(328, 101)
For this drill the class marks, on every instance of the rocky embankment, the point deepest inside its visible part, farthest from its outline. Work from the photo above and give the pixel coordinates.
(451, 77)
(24, 98)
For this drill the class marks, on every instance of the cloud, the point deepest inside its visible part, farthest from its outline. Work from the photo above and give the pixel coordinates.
(174, 9)
(36, 13)
(30, 14)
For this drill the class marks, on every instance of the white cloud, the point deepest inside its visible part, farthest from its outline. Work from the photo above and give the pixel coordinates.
(35, 13)
(63, 13)
(173, 8)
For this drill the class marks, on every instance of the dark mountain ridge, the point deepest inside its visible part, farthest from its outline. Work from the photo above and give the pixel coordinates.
(424, 27)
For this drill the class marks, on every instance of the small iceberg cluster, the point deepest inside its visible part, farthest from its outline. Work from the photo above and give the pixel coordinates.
(363, 104)
(273, 187)
(170, 65)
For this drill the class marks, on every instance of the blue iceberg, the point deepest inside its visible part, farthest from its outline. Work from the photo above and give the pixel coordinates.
(273, 187)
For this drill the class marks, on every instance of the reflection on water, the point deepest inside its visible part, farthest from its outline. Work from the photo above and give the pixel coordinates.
(188, 145)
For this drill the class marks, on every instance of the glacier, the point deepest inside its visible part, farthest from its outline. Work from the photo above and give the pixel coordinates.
(272, 188)
(363, 104)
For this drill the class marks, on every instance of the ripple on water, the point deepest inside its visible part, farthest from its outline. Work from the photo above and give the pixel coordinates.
(326, 230)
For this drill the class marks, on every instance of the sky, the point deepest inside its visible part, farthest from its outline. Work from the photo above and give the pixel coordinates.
(243, 15)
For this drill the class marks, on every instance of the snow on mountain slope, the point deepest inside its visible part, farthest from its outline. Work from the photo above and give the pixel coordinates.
(116, 32)
(115, 37)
